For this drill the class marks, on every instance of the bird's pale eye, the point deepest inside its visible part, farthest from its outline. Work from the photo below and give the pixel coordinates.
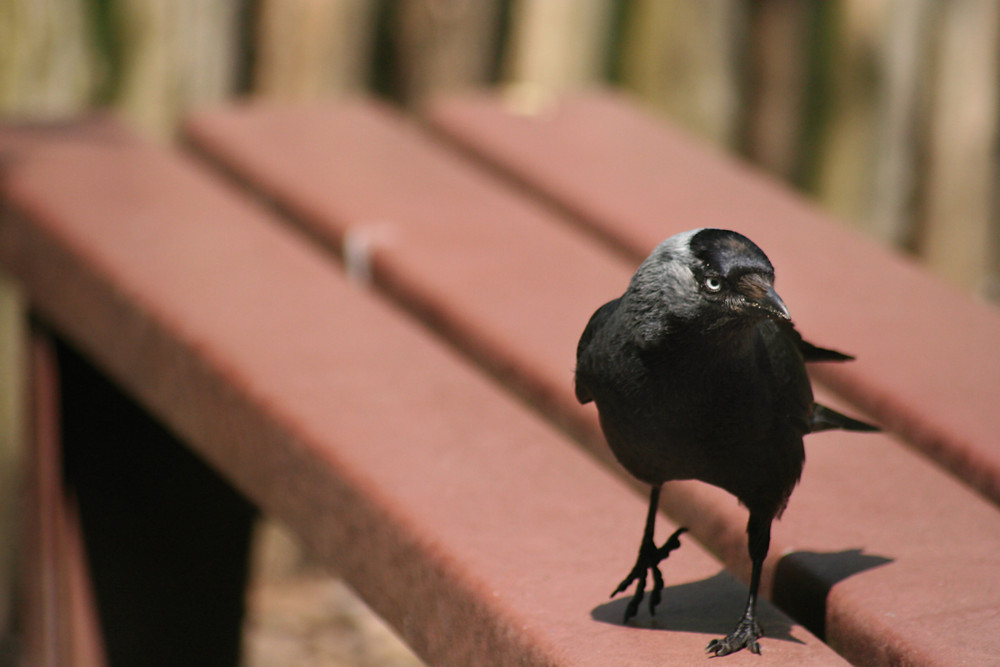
(713, 284)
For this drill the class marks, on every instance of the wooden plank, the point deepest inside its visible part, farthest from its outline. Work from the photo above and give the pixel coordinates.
(776, 88)
(36, 79)
(13, 386)
(514, 284)
(443, 45)
(60, 617)
(844, 160)
(473, 527)
(905, 28)
(312, 48)
(683, 58)
(175, 54)
(927, 365)
(961, 222)
(557, 45)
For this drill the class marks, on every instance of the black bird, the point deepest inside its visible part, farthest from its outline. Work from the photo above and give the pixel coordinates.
(698, 373)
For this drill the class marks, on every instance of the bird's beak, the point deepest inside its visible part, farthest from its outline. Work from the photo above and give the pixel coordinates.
(773, 305)
(760, 295)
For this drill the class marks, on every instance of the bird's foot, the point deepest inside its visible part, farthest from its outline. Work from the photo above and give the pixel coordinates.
(649, 560)
(744, 636)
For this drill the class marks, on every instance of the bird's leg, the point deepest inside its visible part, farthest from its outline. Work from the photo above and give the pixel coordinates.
(649, 559)
(747, 631)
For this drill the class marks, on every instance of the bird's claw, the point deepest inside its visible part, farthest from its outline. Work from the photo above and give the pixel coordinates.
(745, 636)
(648, 561)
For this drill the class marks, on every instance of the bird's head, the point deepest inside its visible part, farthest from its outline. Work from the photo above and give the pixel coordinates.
(703, 279)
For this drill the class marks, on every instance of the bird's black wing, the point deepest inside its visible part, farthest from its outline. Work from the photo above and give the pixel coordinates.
(790, 381)
(596, 323)
(826, 419)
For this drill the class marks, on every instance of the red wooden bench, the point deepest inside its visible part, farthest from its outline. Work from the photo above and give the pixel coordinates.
(517, 289)
(473, 527)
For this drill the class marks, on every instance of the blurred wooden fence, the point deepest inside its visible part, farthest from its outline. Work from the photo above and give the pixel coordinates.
(885, 110)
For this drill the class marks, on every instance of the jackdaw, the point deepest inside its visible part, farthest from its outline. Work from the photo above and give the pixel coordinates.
(698, 373)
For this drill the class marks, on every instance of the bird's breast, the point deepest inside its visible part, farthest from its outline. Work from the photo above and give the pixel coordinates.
(676, 412)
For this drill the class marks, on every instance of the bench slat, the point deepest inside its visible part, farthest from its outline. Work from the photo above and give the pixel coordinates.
(470, 525)
(514, 284)
(928, 365)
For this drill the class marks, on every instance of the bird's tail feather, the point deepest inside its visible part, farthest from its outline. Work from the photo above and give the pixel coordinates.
(825, 419)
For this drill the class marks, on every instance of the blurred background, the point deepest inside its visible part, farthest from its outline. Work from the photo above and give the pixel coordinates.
(884, 112)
